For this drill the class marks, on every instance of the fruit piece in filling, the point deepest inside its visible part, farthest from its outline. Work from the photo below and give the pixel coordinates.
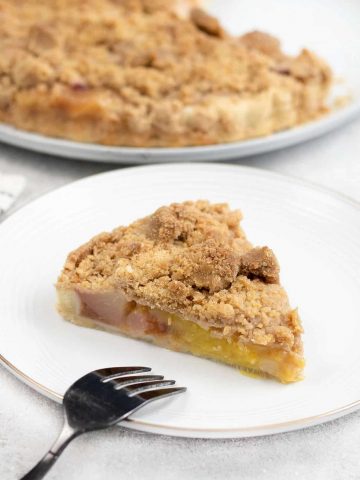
(186, 278)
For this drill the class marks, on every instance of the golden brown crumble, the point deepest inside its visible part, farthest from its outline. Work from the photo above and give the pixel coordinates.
(134, 72)
(264, 43)
(192, 259)
(260, 263)
(206, 22)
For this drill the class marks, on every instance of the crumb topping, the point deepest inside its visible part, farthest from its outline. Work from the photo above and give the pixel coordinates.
(139, 49)
(191, 259)
(260, 263)
(206, 22)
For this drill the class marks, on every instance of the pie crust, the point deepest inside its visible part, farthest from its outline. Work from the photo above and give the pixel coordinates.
(147, 73)
(186, 278)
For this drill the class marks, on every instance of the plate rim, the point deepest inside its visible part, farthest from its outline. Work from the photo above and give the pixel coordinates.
(208, 433)
(188, 432)
(74, 150)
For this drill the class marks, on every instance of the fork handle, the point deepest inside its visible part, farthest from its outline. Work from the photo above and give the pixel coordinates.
(43, 466)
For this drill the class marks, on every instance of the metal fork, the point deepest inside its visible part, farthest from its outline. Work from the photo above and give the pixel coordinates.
(99, 400)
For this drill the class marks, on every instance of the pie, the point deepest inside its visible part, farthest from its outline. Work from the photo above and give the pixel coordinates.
(139, 73)
(186, 278)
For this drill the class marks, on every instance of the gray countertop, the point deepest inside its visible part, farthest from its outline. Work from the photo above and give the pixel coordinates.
(29, 422)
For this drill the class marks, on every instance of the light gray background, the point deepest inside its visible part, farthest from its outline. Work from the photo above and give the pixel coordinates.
(30, 422)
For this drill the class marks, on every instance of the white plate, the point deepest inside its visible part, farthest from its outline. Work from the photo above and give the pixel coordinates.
(315, 234)
(342, 50)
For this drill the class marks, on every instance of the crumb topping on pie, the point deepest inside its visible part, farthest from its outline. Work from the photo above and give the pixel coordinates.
(134, 72)
(194, 260)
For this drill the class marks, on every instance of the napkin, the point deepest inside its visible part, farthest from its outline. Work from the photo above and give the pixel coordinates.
(11, 187)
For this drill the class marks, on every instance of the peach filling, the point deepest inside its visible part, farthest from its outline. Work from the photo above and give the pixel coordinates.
(111, 311)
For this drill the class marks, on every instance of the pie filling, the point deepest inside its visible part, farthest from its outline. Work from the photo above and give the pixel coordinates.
(113, 312)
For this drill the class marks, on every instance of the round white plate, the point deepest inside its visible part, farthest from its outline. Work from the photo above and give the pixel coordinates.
(315, 234)
(316, 22)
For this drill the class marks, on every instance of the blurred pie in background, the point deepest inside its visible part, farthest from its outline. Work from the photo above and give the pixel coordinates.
(148, 73)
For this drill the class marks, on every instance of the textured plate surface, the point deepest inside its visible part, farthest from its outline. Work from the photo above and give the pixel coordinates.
(341, 50)
(315, 235)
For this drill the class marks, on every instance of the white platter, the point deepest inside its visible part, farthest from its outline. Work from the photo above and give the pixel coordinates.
(342, 50)
(315, 234)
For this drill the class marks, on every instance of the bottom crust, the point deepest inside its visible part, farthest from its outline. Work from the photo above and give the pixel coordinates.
(175, 333)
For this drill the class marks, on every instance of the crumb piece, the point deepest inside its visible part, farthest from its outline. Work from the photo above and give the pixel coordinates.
(41, 38)
(262, 42)
(260, 263)
(226, 330)
(30, 71)
(207, 265)
(206, 22)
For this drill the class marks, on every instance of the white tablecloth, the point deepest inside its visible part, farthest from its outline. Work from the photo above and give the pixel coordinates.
(30, 422)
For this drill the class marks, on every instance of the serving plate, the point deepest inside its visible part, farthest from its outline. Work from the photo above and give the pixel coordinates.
(314, 233)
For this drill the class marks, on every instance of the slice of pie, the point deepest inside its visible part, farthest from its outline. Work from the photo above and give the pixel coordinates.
(186, 278)
(137, 73)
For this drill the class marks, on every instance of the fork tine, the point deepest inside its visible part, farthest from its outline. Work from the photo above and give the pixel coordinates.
(151, 395)
(124, 381)
(143, 386)
(114, 372)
